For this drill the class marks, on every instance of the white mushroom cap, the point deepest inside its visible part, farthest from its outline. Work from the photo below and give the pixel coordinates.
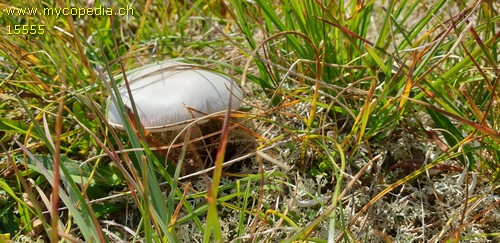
(163, 92)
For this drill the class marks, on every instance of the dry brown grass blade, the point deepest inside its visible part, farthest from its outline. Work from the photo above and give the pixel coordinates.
(482, 128)
(57, 161)
(179, 206)
(365, 112)
(347, 31)
(456, 232)
(409, 82)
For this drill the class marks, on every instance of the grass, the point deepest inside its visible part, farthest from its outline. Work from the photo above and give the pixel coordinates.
(368, 121)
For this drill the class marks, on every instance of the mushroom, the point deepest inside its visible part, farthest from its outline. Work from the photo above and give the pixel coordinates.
(169, 95)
